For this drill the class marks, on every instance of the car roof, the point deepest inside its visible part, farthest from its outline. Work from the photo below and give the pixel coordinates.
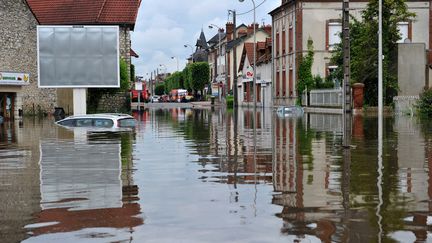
(101, 115)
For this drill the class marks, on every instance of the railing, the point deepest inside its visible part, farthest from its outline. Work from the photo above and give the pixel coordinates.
(323, 98)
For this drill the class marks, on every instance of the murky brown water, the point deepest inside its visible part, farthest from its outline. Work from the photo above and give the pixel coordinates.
(200, 176)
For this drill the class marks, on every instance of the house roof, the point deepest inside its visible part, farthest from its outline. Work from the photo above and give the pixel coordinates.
(73, 12)
(215, 39)
(133, 53)
(202, 42)
(247, 52)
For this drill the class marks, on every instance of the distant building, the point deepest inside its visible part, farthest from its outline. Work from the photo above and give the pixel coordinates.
(244, 35)
(19, 93)
(263, 74)
(201, 51)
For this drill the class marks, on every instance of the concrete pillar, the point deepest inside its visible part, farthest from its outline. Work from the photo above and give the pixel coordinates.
(80, 101)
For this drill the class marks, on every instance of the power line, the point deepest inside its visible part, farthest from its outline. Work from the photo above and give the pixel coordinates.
(253, 9)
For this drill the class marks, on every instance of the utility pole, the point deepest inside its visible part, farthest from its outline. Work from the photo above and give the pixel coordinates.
(235, 60)
(151, 83)
(346, 89)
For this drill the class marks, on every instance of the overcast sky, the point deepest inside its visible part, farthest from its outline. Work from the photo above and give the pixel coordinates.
(163, 27)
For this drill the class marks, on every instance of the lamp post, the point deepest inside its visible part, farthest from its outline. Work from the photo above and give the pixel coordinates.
(254, 55)
(176, 62)
(163, 67)
(187, 45)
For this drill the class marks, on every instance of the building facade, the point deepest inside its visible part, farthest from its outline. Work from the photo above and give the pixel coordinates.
(295, 22)
(18, 38)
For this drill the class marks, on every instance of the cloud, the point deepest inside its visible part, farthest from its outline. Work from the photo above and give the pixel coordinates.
(164, 27)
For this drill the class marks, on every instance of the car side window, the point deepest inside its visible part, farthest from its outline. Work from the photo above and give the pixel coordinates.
(84, 122)
(103, 123)
(69, 123)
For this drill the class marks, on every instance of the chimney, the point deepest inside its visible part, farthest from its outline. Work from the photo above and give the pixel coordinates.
(267, 29)
(250, 28)
(229, 31)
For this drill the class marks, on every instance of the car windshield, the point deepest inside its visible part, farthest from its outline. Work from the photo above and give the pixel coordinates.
(126, 122)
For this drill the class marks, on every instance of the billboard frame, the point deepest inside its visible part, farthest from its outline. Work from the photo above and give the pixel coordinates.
(80, 86)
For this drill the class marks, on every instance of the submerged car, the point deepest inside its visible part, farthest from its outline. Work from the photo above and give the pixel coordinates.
(103, 121)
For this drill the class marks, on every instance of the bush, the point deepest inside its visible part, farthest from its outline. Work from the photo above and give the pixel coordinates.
(425, 103)
(160, 89)
(230, 101)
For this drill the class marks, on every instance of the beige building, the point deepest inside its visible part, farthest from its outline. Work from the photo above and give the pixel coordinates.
(295, 22)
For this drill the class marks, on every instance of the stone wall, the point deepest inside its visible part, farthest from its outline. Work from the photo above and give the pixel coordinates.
(19, 54)
(125, 46)
(117, 102)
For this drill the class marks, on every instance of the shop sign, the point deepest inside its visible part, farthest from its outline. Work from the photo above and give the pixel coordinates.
(14, 78)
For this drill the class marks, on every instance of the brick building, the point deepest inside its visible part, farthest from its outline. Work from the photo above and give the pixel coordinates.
(19, 92)
(295, 21)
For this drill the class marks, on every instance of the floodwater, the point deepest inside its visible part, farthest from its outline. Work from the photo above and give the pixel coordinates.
(213, 176)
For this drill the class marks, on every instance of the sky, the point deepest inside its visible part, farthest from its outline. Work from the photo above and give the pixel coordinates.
(163, 27)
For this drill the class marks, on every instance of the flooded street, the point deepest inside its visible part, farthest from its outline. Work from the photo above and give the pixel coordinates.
(189, 175)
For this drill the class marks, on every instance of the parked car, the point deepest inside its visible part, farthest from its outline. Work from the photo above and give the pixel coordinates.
(155, 98)
(99, 122)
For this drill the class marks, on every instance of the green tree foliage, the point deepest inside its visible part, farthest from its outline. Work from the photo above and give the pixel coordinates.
(124, 77)
(95, 94)
(364, 49)
(187, 84)
(425, 103)
(132, 73)
(174, 81)
(160, 89)
(199, 74)
(306, 80)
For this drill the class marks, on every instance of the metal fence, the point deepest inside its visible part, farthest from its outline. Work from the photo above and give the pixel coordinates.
(323, 98)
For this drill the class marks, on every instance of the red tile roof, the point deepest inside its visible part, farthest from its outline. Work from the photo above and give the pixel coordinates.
(249, 51)
(133, 53)
(72, 12)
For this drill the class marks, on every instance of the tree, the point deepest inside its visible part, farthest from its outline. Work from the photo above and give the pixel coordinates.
(199, 73)
(160, 89)
(187, 84)
(306, 80)
(174, 81)
(95, 94)
(364, 49)
(132, 73)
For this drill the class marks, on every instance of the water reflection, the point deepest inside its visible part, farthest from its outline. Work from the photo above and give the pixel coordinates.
(202, 175)
(53, 180)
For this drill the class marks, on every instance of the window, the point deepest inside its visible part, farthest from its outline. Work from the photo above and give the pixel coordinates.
(128, 122)
(103, 123)
(284, 83)
(290, 39)
(404, 32)
(84, 122)
(277, 84)
(283, 42)
(277, 44)
(69, 123)
(334, 30)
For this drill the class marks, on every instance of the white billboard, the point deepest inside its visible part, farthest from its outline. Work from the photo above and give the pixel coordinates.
(78, 57)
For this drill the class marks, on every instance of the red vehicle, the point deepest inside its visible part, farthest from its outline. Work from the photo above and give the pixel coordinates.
(144, 93)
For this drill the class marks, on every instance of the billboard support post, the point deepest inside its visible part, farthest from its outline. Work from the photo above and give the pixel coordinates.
(80, 101)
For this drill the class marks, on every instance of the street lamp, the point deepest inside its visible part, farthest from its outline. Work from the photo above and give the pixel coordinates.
(219, 35)
(191, 47)
(163, 67)
(176, 62)
(254, 55)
